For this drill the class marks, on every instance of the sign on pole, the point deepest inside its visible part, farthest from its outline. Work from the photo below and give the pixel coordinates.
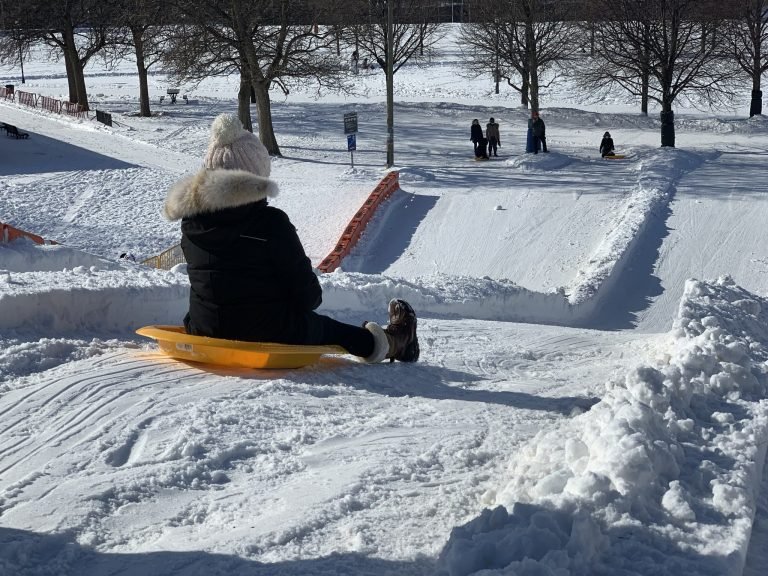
(350, 129)
(350, 123)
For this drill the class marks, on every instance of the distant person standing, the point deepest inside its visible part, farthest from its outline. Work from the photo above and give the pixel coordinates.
(476, 133)
(355, 58)
(606, 145)
(493, 136)
(539, 132)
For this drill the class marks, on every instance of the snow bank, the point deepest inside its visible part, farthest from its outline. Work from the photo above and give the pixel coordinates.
(657, 174)
(61, 290)
(441, 296)
(57, 290)
(660, 477)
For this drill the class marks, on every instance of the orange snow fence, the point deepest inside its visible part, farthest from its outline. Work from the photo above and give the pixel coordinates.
(8, 234)
(356, 226)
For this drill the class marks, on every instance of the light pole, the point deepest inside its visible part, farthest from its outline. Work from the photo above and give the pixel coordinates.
(390, 87)
(21, 61)
(496, 71)
(20, 39)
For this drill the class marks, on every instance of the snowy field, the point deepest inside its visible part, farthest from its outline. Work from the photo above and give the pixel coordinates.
(592, 397)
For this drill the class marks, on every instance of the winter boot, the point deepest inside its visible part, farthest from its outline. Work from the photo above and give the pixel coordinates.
(401, 332)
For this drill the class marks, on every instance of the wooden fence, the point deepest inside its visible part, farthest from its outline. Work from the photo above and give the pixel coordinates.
(44, 102)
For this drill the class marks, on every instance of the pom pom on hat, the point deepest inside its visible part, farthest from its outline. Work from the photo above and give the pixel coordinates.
(232, 147)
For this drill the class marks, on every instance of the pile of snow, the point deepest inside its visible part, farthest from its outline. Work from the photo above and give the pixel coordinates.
(62, 290)
(540, 161)
(660, 477)
(59, 290)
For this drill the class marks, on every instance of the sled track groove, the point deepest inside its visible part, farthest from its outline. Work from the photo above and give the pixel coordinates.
(38, 390)
(60, 425)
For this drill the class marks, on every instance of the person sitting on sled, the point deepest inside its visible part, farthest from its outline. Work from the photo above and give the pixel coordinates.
(249, 276)
(606, 145)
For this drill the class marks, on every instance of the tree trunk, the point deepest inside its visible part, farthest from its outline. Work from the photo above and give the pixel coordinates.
(70, 74)
(533, 65)
(390, 117)
(534, 89)
(525, 89)
(390, 76)
(756, 105)
(264, 111)
(70, 47)
(82, 92)
(252, 75)
(645, 81)
(667, 125)
(244, 100)
(138, 43)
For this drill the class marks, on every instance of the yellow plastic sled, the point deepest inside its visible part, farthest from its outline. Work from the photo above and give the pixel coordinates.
(175, 342)
(615, 156)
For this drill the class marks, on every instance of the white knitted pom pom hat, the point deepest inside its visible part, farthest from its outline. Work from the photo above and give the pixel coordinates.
(232, 147)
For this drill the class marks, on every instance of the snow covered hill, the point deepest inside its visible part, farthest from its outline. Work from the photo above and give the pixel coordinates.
(582, 405)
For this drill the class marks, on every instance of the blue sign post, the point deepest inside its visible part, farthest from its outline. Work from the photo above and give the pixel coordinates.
(350, 129)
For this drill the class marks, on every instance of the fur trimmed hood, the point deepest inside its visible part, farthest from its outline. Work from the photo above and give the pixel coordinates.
(213, 190)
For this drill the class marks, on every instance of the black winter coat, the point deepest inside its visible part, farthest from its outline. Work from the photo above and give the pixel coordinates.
(476, 133)
(606, 146)
(249, 276)
(539, 129)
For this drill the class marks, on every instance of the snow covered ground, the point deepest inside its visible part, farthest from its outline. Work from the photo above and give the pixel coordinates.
(582, 405)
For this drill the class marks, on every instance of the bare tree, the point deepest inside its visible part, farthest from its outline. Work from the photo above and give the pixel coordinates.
(748, 35)
(139, 26)
(16, 39)
(397, 32)
(268, 42)
(519, 41)
(613, 62)
(672, 46)
(78, 29)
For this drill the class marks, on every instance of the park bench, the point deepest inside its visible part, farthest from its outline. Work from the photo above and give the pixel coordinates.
(11, 130)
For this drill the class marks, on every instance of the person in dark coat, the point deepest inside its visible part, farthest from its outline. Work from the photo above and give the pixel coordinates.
(606, 145)
(539, 132)
(482, 149)
(493, 136)
(476, 133)
(249, 276)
